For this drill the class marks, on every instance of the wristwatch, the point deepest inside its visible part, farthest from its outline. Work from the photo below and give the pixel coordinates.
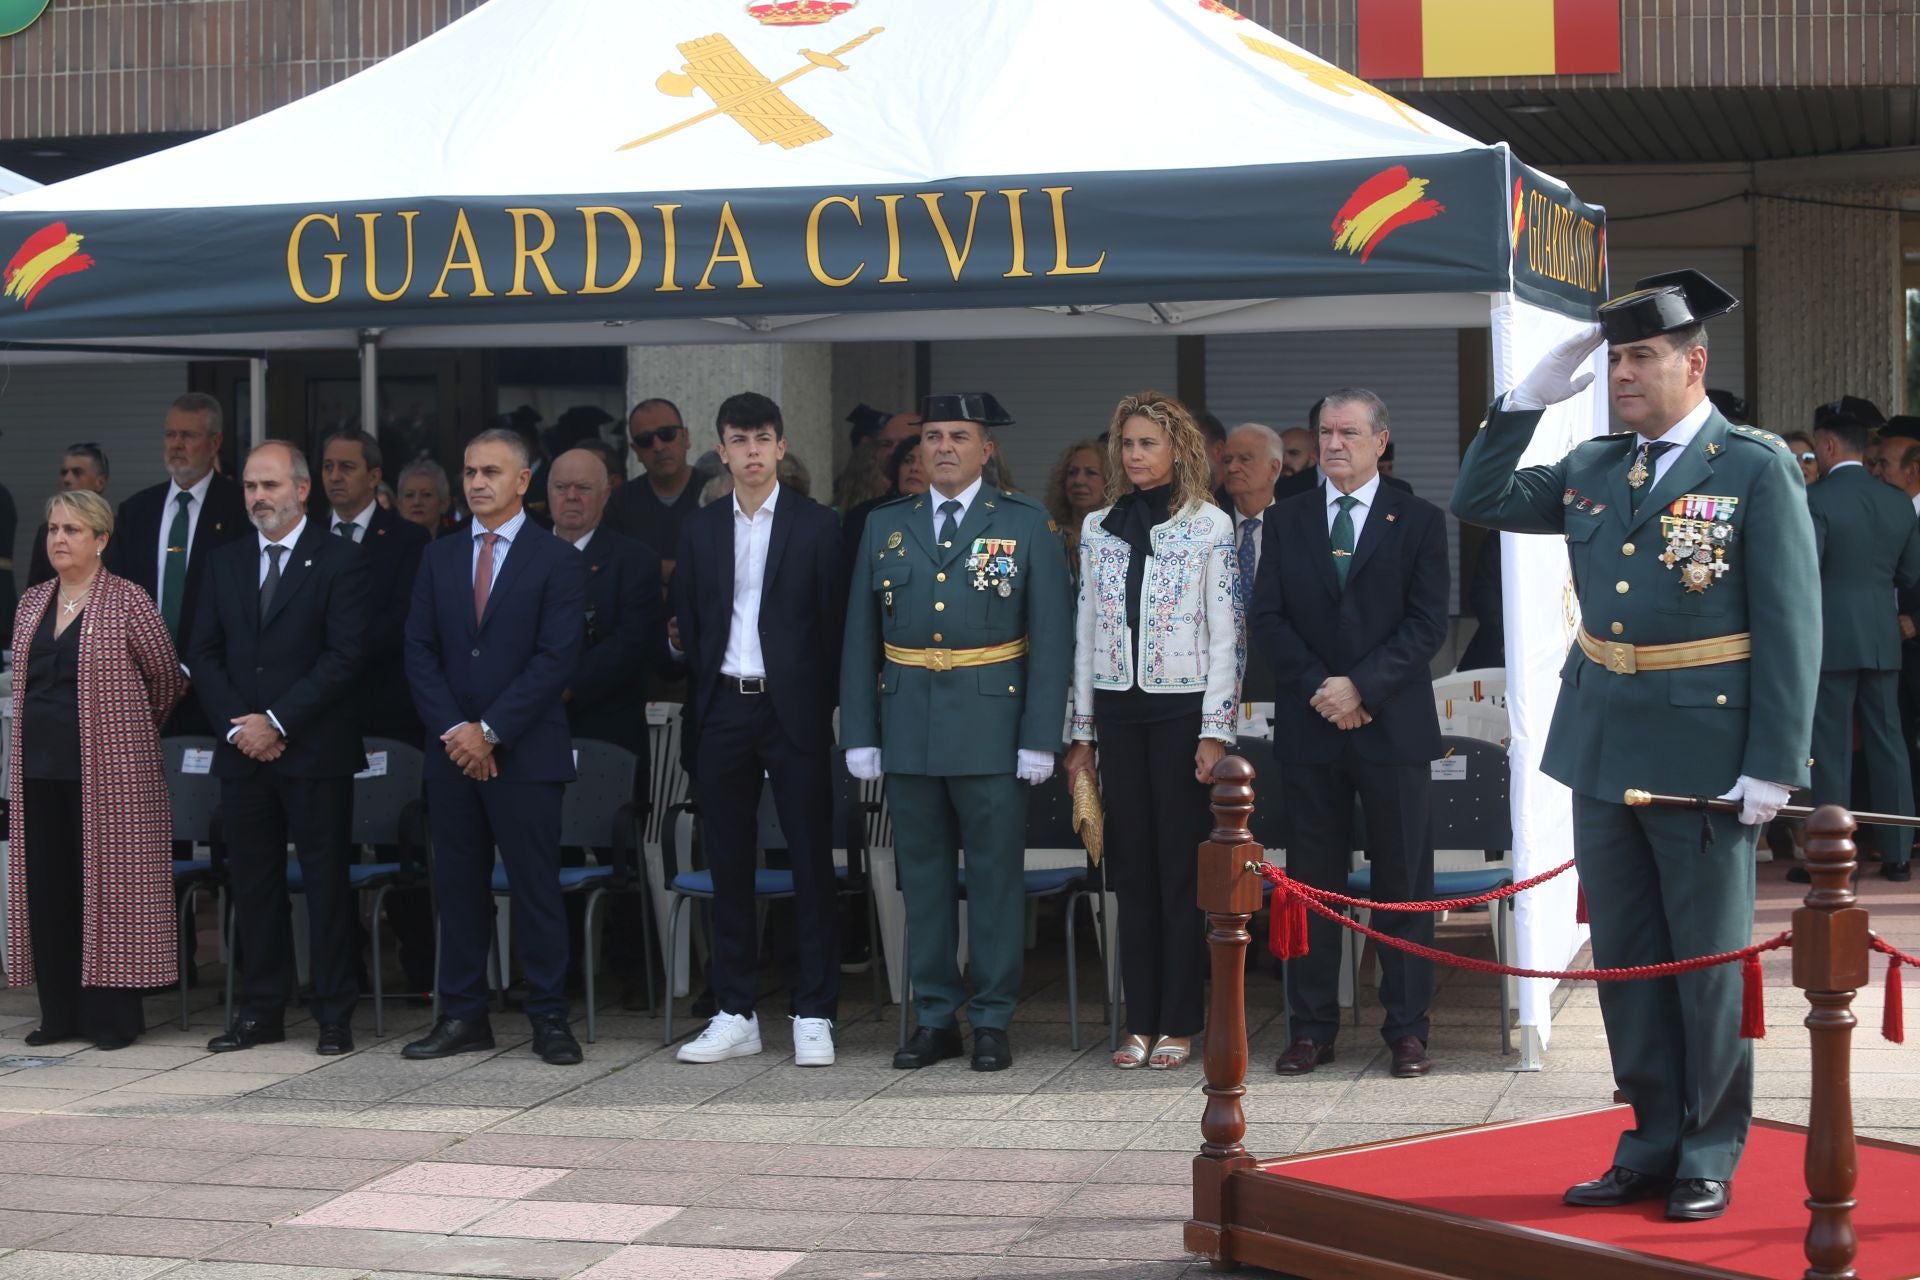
(493, 739)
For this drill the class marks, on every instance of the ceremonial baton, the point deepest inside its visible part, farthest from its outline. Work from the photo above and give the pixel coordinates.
(1644, 799)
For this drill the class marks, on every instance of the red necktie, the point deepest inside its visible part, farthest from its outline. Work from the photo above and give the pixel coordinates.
(483, 576)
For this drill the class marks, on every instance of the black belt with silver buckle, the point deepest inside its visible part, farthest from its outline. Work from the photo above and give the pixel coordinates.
(747, 684)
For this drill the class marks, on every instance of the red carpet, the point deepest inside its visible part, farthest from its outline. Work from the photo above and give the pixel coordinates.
(1514, 1173)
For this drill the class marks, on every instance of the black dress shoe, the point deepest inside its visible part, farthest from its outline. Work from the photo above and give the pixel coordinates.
(112, 1043)
(927, 1046)
(450, 1036)
(991, 1052)
(42, 1036)
(1697, 1199)
(1799, 875)
(1410, 1057)
(1901, 871)
(336, 1038)
(245, 1034)
(1617, 1186)
(553, 1041)
(1302, 1056)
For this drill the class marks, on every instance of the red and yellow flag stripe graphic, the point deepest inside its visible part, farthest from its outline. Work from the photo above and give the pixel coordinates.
(1448, 39)
(48, 254)
(1389, 200)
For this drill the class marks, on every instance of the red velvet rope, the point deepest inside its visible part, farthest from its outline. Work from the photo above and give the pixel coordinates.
(1444, 904)
(1893, 1022)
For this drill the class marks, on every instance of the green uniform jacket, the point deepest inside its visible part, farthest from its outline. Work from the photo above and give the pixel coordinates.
(1692, 731)
(907, 591)
(1869, 543)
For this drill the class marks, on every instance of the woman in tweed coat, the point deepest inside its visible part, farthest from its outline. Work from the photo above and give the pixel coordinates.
(99, 849)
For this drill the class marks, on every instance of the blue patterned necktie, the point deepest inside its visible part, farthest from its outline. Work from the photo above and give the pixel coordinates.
(1249, 560)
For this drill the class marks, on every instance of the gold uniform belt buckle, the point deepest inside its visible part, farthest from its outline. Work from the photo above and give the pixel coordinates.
(939, 659)
(1621, 659)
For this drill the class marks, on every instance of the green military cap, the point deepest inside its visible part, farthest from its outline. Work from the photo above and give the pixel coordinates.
(1663, 303)
(965, 406)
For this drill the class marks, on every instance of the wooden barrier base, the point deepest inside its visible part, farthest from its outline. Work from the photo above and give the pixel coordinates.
(1483, 1203)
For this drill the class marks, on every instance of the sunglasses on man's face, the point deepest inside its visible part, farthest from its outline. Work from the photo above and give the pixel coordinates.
(1806, 457)
(665, 435)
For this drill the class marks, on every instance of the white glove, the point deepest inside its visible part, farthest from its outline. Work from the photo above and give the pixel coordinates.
(864, 763)
(1759, 801)
(1561, 374)
(1034, 766)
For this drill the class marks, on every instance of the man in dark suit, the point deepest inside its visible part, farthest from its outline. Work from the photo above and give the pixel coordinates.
(1250, 467)
(276, 647)
(1869, 544)
(759, 599)
(493, 637)
(626, 635)
(165, 533)
(82, 466)
(1349, 622)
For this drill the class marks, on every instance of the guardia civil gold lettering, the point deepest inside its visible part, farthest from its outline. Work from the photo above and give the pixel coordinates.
(956, 258)
(591, 215)
(368, 224)
(814, 262)
(1017, 232)
(670, 253)
(525, 255)
(335, 261)
(1058, 195)
(890, 205)
(463, 254)
(727, 235)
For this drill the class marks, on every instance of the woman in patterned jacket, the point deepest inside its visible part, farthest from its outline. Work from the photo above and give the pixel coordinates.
(1156, 678)
(91, 912)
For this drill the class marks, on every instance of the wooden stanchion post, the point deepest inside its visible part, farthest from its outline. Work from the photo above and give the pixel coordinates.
(1229, 894)
(1830, 951)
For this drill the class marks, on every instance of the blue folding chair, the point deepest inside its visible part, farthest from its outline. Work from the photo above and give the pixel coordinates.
(195, 801)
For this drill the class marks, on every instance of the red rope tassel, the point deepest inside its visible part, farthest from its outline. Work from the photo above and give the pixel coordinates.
(1580, 904)
(1286, 921)
(1753, 1006)
(1893, 1022)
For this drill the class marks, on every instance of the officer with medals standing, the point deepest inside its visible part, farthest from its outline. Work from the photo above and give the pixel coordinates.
(953, 679)
(1684, 532)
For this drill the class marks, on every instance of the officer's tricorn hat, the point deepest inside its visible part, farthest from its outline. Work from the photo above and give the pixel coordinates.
(1856, 409)
(1662, 304)
(965, 406)
(1902, 426)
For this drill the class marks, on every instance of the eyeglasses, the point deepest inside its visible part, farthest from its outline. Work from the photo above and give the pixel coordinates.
(665, 435)
(1806, 457)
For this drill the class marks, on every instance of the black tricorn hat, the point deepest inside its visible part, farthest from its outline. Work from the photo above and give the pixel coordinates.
(965, 406)
(1855, 408)
(1901, 426)
(1663, 303)
(866, 421)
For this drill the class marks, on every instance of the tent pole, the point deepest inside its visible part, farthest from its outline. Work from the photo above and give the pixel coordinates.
(256, 400)
(370, 380)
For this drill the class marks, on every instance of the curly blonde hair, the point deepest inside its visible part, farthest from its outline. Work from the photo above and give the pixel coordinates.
(1192, 476)
(1056, 499)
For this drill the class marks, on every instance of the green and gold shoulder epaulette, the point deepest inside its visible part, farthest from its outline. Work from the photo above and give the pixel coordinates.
(1759, 435)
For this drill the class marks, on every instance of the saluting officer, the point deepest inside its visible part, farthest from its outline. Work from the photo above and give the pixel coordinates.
(959, 651)
(1684, 532)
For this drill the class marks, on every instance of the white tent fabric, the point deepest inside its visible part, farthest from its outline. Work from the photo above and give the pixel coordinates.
(12, 184)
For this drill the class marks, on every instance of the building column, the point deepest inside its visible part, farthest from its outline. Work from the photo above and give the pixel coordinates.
(1828, 312)
(796, 376)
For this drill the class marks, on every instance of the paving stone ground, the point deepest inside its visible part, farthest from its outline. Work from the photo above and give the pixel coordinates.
(276, 1164)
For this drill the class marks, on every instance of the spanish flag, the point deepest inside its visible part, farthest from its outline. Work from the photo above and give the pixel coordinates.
(1449, 39)
(48, 254)
(1389, 200)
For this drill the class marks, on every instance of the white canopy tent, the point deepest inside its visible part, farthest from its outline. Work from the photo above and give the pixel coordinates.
(831, 170)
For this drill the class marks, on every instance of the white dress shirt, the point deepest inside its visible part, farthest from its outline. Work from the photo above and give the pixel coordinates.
(503, 543)
(1366, 493)
(965, 498)
(361, 523)
(585, 538)
(1916, 504)
(752, 535)
(1681, 433)
(194, 508)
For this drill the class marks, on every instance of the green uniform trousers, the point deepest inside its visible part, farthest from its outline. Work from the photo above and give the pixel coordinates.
(1655, 894)
(933, 819)
(1876, 696)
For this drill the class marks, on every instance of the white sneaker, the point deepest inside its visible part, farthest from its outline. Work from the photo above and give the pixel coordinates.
(728, 1035)
(812, 1042)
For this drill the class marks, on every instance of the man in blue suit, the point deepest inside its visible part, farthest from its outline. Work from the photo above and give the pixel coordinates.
(493, 638)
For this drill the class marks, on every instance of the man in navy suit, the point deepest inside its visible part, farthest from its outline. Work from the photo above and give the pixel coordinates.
(1349, 621)
(493, 637)
(759, 599)
(276, 648)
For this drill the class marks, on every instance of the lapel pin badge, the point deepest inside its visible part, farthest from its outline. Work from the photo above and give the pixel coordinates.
(1390, 517)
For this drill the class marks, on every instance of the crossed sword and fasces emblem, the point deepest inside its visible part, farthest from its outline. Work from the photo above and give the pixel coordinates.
(740, 91)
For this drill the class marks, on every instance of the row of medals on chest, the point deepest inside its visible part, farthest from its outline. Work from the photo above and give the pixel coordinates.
(1698, 528)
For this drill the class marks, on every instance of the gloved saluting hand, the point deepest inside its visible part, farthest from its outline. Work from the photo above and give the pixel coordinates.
(1561, 374)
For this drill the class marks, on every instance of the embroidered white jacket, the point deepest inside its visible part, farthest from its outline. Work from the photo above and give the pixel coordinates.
(1192, 629)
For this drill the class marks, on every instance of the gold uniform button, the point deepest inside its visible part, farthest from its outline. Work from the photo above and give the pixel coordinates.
(1627, 549)
(939, 606)
(936, 637)
(886, 582)
(1619, 627)
(1621, 586)
(1720, 701)
(939, 577)
(1011, 689)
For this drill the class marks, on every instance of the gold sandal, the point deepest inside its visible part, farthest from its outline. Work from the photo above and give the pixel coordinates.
(1131, 1053)
(1170, 1052)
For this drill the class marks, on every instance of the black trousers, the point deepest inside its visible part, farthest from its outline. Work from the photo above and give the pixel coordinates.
(260, 811)
(1156, 818)
(742, 743)
(1320, 798)
(523, 819)
(53, 889)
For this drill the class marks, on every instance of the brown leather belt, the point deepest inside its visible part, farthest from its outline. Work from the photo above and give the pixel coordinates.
(1630, 659)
